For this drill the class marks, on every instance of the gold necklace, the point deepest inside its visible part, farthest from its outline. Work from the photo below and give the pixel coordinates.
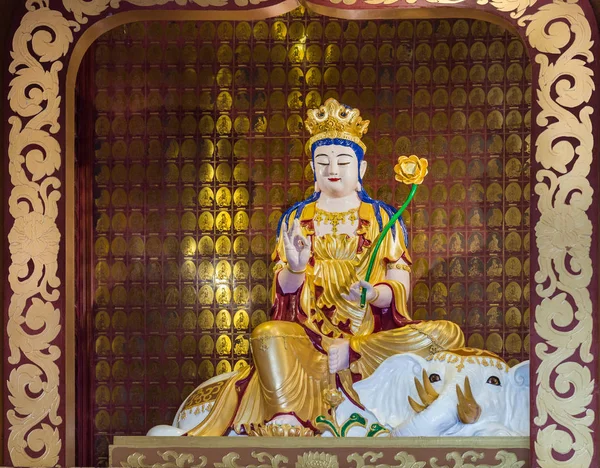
(335, 218)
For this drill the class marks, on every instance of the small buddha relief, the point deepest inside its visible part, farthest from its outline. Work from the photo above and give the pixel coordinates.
(475, 243)
(475, 217)
(493, 243)
(457, 268)
(457, 218)
(513, 317)
(439, 218)
(494, 267)
(494, 292)
(457, 315)
(457, 243)
(475, 317)
(439, 293)
(475, 293)
(494, 317)
(457, 292)
(421, 293)
(439, 268)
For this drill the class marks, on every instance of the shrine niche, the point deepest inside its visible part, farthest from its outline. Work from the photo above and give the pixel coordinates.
(191, 172)
(199, 150)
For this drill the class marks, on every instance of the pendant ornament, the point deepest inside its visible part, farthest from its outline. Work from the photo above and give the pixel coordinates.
(335, 218)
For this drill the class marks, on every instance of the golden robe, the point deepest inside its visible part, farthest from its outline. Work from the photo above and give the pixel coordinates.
(290, 368)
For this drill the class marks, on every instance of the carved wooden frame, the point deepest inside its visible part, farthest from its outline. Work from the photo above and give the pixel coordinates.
(47, 48)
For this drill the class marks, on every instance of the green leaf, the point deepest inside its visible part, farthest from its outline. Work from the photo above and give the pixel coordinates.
(355, 419)
(376, 429)
(329, 424)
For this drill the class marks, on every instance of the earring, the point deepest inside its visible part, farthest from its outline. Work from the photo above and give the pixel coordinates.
(358, 187)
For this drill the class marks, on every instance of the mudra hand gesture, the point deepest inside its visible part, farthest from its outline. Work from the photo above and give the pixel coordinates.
(297, 247)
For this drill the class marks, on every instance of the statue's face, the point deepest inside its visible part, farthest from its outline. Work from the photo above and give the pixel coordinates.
(337, 170)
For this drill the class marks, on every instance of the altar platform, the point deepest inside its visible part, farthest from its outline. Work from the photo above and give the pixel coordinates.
(276, 452)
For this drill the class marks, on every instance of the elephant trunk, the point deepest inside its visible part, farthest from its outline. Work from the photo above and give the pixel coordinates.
(468, 409)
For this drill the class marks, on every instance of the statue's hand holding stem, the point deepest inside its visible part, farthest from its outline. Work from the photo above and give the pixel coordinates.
(339, 350)
(379, 296)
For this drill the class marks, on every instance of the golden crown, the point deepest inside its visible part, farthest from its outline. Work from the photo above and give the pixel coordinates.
(335, 120)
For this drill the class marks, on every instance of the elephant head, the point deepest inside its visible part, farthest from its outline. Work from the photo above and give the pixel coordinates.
(460, 392)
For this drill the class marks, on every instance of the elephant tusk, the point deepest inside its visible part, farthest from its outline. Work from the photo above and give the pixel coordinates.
(415, 406)
(428, 387)
(468, 409)
(427, 394)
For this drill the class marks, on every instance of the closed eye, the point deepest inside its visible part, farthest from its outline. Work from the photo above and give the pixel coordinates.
(322, 160)
(493, 380)
(344, 159)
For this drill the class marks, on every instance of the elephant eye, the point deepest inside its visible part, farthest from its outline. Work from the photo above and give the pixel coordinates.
(493, 380)
(434, 378)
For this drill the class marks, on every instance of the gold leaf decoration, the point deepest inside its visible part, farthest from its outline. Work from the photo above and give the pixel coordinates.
(564, 231)
(281, 430)
(33, 321)
(406, 460)
(266, 459)
(565, 86)
(317, 460)
(468, 459)
(172, 459)
(81, 9)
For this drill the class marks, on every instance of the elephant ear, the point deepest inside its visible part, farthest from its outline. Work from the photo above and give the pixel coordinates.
(385, 392)
(517, 399)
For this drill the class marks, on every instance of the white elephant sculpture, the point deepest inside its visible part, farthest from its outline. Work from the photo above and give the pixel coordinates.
(462, 392)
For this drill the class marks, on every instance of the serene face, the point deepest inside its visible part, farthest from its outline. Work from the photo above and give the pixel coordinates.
(337, 170)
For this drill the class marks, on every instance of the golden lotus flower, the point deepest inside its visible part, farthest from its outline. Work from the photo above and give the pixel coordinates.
(280, 430)
(317, 460)
(411, 169)
(333, 397)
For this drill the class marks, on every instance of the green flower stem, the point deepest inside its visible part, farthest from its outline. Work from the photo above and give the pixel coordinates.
(386, 228)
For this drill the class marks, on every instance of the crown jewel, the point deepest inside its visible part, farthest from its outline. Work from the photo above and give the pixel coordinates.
(335, 120)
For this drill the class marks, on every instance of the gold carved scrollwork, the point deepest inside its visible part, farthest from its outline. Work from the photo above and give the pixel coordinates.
(468, 459)
(83, 8)
(364, 461)
(266, 459)
(172, 460)
(410, 2)
(370, 459)
(561, 35)
(465, 460)
(41, 41)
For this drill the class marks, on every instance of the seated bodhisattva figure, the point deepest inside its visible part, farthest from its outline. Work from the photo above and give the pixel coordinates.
(319, 336)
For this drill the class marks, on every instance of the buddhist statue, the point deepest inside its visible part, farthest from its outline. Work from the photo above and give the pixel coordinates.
(319, 337)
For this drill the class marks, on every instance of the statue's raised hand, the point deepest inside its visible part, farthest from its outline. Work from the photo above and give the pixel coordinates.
(297, 247)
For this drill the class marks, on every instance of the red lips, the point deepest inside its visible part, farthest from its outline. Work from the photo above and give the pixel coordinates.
(333, 179)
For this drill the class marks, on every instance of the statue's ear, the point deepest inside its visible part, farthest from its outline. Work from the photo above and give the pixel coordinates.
(517, 399)
(362, 169)
(385, 393)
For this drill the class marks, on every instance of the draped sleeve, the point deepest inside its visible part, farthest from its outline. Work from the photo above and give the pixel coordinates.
(394, 247)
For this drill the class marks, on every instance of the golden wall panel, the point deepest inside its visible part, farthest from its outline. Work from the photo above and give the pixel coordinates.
(199, 149)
